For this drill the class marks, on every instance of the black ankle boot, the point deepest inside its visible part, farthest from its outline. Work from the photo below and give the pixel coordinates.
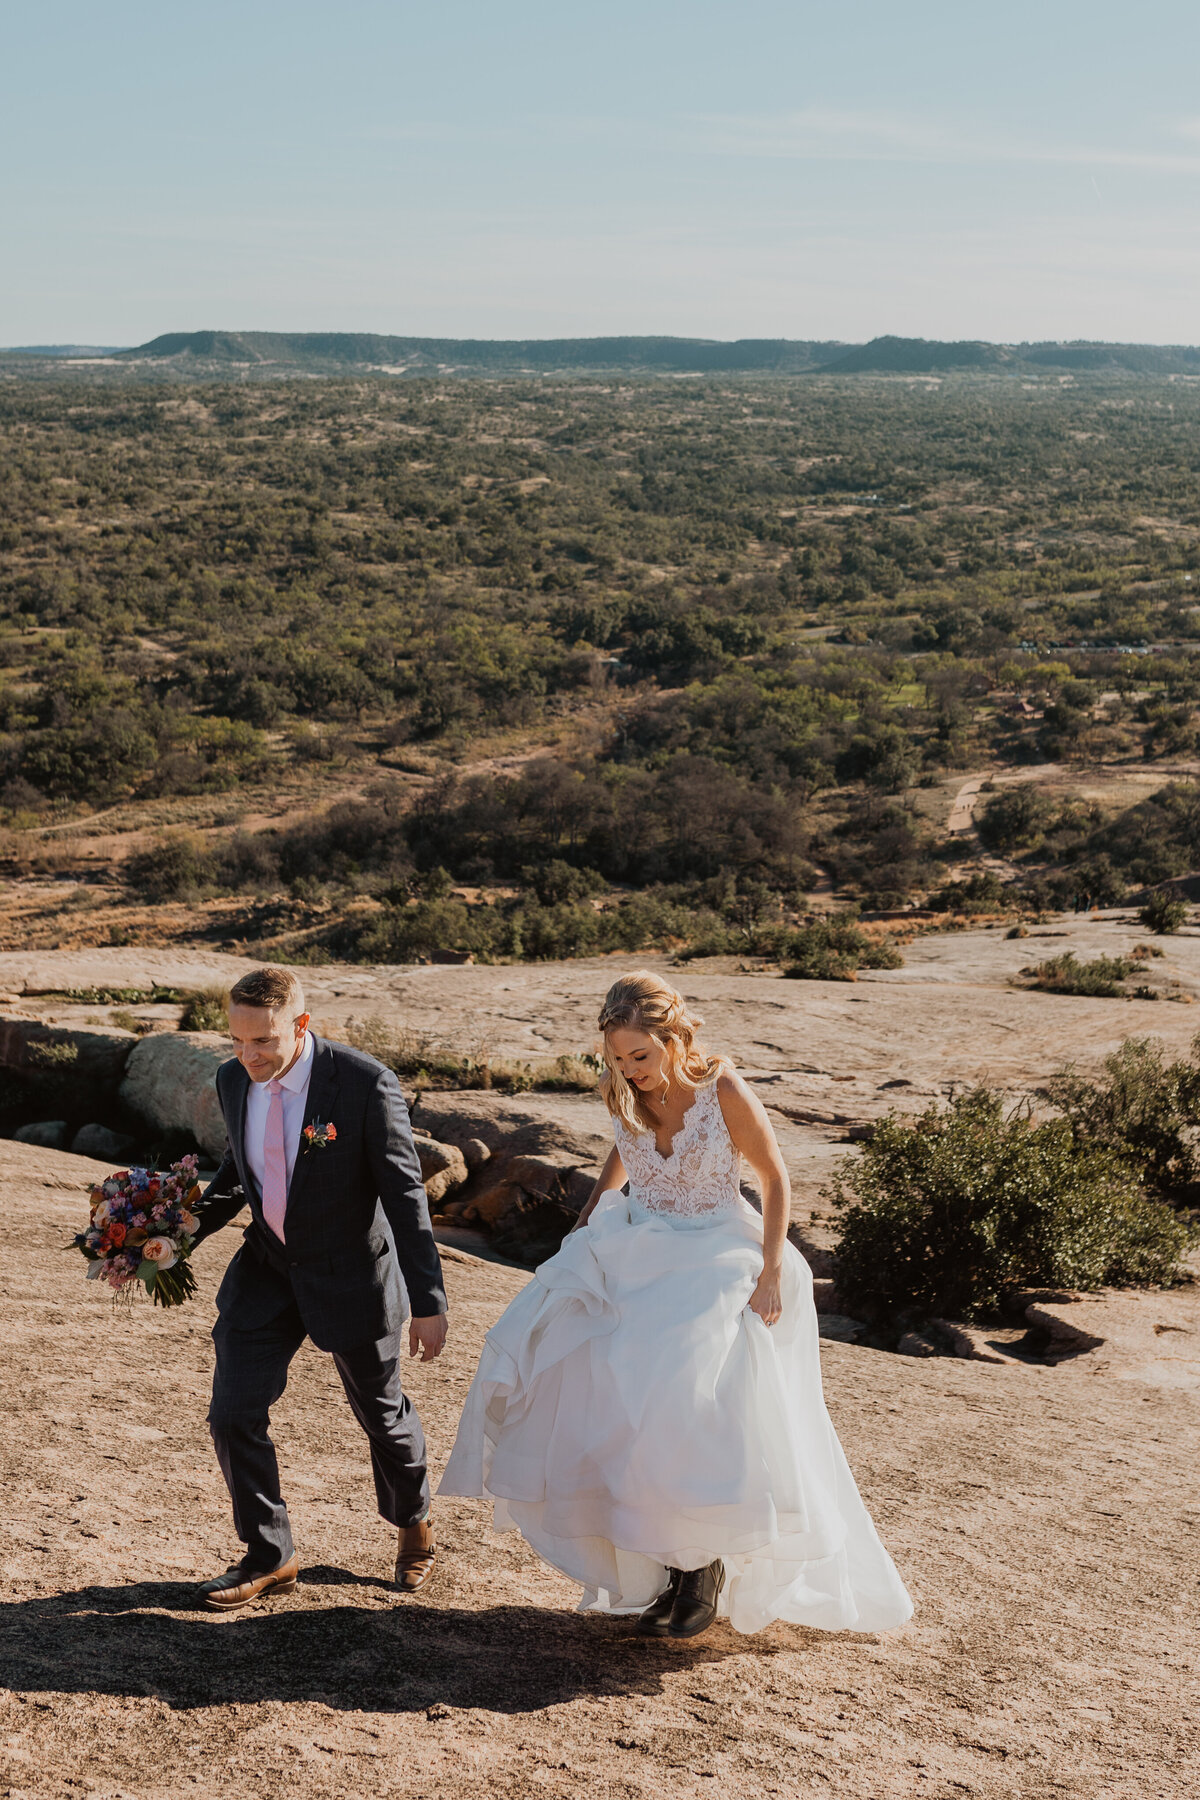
(657, 1616)
(696, 1599)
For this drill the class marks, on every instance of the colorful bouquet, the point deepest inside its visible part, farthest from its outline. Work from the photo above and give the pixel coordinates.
(142, 1229)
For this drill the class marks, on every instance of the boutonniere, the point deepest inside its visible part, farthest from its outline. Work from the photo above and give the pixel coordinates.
(317, 1136)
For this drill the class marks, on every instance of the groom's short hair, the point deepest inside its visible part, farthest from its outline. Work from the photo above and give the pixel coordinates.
(279, 990)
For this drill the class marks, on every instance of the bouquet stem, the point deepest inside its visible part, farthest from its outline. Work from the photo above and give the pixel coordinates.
(171, 1287)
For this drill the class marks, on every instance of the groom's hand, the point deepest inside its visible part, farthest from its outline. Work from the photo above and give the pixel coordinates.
(428, 1336)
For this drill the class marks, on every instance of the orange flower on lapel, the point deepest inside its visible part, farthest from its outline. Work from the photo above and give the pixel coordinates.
(317, 1136)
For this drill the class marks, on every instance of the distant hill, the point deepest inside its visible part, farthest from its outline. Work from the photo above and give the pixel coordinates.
(917, 356)
(62, 349)
(928, 356)
(258, 355)
(1140, 359)
(340, 351)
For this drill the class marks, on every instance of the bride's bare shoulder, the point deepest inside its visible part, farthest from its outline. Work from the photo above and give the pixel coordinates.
(728, 1082)
(737, 1097)
(741, 1107)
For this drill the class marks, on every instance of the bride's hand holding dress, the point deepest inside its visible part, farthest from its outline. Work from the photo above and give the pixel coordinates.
(751, 1134)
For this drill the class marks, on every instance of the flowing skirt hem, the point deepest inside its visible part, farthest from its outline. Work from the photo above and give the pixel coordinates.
(630, 1414)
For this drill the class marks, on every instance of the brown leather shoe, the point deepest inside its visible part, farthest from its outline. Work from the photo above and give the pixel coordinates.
(415, 1556)
(239, 1585)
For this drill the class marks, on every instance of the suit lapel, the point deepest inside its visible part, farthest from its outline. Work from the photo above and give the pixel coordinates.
(318, 1109)
(235, 1125)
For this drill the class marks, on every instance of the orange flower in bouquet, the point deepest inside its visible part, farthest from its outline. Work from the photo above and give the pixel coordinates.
(142, 1228)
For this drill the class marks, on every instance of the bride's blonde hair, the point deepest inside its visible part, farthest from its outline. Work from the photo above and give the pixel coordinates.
(643, 1001)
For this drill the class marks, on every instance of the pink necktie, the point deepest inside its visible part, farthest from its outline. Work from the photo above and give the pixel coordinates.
(274, 1162)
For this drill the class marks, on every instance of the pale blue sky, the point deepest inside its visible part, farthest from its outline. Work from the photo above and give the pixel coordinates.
(527, 168)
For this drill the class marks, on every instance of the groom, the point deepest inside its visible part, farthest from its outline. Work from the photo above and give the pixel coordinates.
(318, 1142)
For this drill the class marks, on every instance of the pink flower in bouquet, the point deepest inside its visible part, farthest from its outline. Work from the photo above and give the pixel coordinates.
(140, 1231)
(159, 1250)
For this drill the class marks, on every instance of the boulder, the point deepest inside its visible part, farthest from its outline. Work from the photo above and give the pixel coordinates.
(825, 1295)
(972, 1343)
(534, 1124)
(491, 1206)
(819, 1257)
(839, 1327)
(102, 1143)
(93, 1058)
(170, 1082)
(48, 1134)
(531, 1161)
(443, 1167)
(1150, 1335)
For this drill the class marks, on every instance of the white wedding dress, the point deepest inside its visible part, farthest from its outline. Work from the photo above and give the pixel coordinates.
(631, 1413)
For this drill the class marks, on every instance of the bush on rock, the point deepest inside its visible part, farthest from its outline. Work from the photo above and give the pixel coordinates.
(835, 950)
(1095, 980)
(1164, 913)
(1145, 1108)
(945, 1214)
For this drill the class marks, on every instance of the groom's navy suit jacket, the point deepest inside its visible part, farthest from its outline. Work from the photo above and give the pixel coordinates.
(358, 1246)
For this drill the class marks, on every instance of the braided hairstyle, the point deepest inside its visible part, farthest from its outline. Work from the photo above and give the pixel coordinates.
(643, 1001)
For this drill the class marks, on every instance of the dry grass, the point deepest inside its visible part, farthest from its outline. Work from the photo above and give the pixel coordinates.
(425, 1062)
(205, 1009)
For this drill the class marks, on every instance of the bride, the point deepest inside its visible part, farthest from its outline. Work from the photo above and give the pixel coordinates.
(648, 1411)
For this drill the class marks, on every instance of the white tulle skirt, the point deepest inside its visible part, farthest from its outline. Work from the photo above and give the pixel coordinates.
(630, 1413)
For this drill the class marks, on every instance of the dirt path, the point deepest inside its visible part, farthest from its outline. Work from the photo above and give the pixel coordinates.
(961, 817)
(1044, 1525)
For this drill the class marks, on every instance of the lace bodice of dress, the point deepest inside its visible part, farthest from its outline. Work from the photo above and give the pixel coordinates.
(701, 1175)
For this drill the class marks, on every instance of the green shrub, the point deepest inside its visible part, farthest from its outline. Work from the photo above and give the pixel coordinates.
(180, 866)
(1145, 1108)
(945, 1214)
(129, 1021)
(51, 1055)
(1015, 819)
(1098, 979)
(558, 880)
(981, 893)
(407, 933)
(1163, 913)
(835, 950)
(205, 1009)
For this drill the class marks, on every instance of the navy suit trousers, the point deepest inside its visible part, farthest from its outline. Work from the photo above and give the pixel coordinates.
(251, 1374)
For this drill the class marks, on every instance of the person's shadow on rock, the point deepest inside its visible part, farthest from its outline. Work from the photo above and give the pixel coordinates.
(151, 1638)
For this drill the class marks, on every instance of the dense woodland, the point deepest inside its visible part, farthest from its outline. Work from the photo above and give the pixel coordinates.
(743, 622)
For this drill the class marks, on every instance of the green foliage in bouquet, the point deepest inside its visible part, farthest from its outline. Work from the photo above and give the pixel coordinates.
(141, 1230)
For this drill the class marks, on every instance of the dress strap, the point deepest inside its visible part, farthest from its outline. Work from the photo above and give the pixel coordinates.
(707, 1093)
